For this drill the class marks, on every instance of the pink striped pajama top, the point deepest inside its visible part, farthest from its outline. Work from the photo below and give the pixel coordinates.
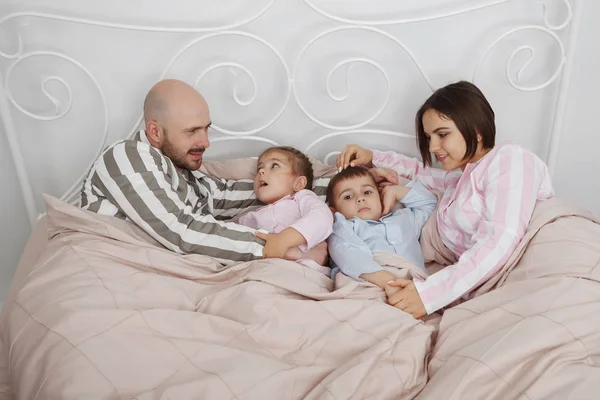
(482, 215)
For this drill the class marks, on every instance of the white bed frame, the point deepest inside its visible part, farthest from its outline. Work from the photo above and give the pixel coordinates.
(54, 102)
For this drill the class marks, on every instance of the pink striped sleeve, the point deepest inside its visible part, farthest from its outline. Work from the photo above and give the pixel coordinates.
(511, 183)
(411, 168)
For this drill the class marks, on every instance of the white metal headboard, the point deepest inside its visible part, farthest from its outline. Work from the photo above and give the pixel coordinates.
(306, 43)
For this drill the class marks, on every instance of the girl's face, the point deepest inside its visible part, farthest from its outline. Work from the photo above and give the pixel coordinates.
(275, 178)
(446, 142)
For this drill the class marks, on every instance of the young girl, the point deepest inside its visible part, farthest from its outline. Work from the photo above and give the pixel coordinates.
(293, 214)
(489, 192)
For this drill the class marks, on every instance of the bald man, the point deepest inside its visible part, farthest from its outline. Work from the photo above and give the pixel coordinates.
(152, 180)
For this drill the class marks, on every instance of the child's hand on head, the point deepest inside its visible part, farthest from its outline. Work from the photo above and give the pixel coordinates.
(388, 199)
(390, 195)
(384, 176)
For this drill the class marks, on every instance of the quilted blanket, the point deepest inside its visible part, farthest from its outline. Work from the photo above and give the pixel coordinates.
(102, 311)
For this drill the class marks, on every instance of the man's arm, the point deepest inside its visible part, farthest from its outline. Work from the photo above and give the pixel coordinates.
(233, 197)
(230, 197)
(138, 180)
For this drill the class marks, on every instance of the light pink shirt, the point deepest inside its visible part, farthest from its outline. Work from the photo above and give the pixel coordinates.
(303, 211)
(482, 216)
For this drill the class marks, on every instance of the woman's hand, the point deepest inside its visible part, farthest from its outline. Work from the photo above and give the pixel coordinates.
(354, 155)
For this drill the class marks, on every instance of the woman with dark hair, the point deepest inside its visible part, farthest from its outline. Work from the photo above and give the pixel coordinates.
(488, 192)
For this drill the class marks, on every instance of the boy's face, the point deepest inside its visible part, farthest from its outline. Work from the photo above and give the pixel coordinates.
(275, 178)
(357, 197)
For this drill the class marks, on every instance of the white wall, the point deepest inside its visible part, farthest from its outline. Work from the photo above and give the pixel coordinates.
(577, 171)
(126, 63)
(14, 225)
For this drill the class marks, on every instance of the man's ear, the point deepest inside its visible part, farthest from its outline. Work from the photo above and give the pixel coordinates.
(154, 133)
(300, 183)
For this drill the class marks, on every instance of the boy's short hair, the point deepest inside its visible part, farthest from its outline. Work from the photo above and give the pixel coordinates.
(345, 174)
(301, 165)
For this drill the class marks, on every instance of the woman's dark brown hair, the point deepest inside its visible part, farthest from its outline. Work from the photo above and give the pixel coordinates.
(467, 107)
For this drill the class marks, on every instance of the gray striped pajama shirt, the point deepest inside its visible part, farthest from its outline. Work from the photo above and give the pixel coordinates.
(184, 211)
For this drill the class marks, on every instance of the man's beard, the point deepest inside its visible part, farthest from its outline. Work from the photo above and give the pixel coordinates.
(179, 158)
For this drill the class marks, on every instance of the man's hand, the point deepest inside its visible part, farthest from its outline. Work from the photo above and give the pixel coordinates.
(275, 246)
(407, 299)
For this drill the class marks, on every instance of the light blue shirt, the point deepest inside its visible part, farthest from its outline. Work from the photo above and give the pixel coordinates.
(353, 242)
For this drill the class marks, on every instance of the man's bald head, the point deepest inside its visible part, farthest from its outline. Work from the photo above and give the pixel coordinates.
(167, 94)
(177, 120)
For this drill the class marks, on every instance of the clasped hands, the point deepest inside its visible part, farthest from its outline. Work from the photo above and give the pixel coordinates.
(402, 294)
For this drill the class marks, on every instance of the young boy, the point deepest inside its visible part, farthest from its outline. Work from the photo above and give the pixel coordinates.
(363, 224)
(293, 214)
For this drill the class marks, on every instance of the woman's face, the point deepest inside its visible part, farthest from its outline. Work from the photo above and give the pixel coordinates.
(445, 140)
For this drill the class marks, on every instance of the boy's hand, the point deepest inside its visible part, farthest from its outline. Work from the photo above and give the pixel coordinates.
(384, 176)
(275, 246)
(390, 195)
(388, 198)
(390, 290)
(407, 299)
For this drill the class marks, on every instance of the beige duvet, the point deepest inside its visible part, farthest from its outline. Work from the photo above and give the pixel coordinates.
(101, 311)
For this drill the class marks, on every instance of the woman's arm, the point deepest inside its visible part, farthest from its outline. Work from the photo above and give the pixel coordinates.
(411, 168)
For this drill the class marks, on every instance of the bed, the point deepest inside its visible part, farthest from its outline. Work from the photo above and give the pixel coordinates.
(99, 310)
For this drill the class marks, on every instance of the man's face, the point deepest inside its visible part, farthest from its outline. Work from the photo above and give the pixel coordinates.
(185, 134)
